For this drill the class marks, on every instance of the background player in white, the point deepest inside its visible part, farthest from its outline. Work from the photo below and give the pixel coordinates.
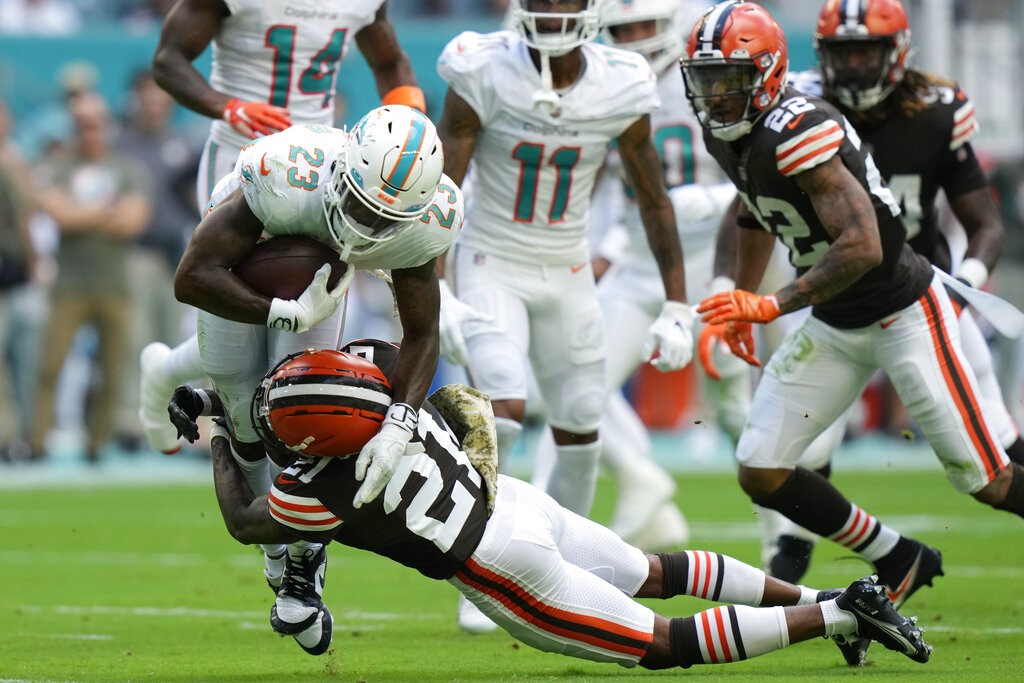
(274, 63)
(377, 195)
(554, 580)
(630, 291)
(535, 110)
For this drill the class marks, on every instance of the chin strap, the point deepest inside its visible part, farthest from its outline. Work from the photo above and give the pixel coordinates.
(546, 96)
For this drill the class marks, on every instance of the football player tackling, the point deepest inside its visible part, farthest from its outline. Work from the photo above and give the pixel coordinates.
(378, 196)
(551, 578)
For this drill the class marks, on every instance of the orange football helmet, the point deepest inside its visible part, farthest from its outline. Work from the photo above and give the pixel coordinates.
(320, 403)
(862, 48)
(735, 67)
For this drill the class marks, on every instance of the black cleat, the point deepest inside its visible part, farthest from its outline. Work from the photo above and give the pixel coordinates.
(878, 620)
(298, 602)
(903, 581)
(853, 648)
(791, 559)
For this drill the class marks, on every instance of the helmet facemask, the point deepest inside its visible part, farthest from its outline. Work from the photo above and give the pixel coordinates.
(624, 22)
(384, 180)
(727, 94)
(862, 70)
(555, 33)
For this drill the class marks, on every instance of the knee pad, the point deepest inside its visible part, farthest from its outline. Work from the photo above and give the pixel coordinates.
(497, 367)
(578, 412)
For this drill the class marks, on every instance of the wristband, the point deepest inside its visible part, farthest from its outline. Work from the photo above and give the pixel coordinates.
(282, 315)
(722, 283)
(409, 95)
(402, 415)
(973, 272)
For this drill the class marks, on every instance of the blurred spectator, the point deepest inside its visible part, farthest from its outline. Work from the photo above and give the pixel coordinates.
(39, 17)
(17, 264)
(149, 139)
(99, 200)
(49, 127)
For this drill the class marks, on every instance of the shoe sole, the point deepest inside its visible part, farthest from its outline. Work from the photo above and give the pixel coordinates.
(326, 634)
(290, 628)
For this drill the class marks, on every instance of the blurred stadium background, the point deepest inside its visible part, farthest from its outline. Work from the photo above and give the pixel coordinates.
(104, 44)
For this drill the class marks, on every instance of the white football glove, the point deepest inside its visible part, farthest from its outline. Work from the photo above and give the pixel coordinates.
(671, 335)
(313, 306)
(453, 314)
(379, 458)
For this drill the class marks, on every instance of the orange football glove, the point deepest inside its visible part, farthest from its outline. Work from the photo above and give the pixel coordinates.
(739, 305)
(250, 118)
(710, 337)
(738, 335)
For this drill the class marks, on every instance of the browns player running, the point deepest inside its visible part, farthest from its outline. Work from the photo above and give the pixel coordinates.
(918, 128)
(804, 178)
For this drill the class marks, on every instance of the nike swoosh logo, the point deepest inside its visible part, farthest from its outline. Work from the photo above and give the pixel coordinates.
(282, 480)
(578, 268)
(885, 325)
(266, 171)
(795, 122)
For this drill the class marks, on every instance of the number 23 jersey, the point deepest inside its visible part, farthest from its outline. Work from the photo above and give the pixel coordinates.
(796, 135)
(430, 517)
(283, 177)
(533, 172)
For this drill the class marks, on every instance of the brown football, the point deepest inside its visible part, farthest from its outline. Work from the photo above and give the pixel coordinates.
(284, 266)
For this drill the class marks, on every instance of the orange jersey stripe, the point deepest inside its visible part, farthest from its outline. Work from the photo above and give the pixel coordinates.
(528, 608)
(960, 388)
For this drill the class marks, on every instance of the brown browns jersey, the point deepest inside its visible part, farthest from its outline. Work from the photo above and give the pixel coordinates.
(796, 135)
(920, 154)
(430, 517)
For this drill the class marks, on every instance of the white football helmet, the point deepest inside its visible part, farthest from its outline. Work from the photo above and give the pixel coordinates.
(576, 27)
(385, 178)
(666, 46)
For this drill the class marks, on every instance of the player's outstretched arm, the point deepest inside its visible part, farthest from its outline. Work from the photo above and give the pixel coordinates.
(391, 67)
(247, 518)
(846, 212)
(416, 293)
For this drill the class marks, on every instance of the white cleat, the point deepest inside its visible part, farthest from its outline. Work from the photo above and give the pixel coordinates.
(668, 530)
(471, 619)
(643, 489)
(155, 391)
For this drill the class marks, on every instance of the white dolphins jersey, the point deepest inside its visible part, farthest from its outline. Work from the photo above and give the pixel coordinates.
(533, 172)
(684, 160)
(285, 53)
(283, 176)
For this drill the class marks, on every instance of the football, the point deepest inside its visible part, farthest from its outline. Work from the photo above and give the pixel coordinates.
(284, 266)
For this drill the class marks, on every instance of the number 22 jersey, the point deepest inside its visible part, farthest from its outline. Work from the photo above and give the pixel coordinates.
(796, 135)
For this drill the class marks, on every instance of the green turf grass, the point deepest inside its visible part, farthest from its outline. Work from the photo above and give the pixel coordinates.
(117, 584)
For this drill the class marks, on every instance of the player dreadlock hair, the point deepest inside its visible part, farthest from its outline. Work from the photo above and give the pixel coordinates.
(908, 99)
